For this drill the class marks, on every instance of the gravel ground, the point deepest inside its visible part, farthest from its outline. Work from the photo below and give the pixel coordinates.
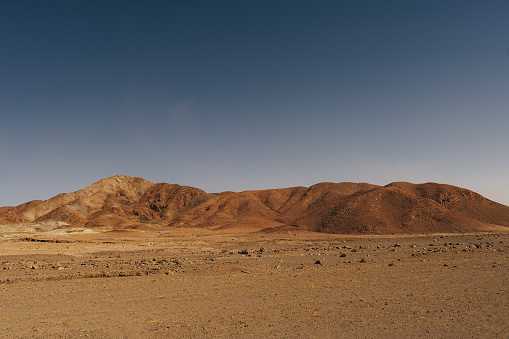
(303, 286)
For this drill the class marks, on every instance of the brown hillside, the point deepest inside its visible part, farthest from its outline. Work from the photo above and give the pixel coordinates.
(107, 196)
(126, 202)
(162, 202)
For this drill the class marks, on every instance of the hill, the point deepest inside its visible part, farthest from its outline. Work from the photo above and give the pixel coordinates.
(122, 202)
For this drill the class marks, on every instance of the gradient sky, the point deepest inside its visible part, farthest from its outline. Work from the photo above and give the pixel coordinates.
(237, 95)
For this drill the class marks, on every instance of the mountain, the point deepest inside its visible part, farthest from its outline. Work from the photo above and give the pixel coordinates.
(123, 202)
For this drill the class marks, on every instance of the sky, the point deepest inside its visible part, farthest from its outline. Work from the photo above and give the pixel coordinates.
(244, 95)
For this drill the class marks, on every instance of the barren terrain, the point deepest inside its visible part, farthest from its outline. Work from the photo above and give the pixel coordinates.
(184, 283)
(124, 202)
(128, 258)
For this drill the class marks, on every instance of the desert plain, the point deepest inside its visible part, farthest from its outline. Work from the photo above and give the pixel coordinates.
(194, 283)
(129, 258)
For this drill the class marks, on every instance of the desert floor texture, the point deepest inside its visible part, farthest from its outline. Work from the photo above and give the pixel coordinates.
(170, 285)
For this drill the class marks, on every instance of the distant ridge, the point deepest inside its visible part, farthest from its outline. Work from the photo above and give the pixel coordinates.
(121, 202)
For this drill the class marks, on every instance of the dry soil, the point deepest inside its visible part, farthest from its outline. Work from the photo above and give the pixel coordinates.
(160, 285)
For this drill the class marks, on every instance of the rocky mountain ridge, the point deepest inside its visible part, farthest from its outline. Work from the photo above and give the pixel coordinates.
(122, 202)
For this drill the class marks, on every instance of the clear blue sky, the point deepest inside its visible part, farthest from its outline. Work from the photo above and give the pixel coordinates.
(237, 95)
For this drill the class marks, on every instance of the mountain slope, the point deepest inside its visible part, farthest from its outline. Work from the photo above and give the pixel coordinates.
(352, 208)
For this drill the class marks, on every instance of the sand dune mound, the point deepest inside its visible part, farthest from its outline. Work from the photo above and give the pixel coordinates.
(122, 202)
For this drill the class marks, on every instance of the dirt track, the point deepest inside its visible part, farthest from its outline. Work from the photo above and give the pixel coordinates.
(451, 286)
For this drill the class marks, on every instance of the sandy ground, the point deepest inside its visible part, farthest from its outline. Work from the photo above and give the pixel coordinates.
(159, 285)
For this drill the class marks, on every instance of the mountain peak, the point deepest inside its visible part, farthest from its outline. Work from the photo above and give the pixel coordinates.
(120, 179)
